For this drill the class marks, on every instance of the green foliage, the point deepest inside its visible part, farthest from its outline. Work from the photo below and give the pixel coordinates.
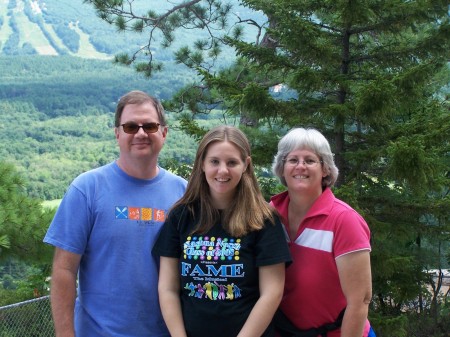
(410, 159)
(181, 169)
(390, 325)
(22, 220)
(269, 185)
(4, 242)
(23, 223)
(413, 324)
(21, 281)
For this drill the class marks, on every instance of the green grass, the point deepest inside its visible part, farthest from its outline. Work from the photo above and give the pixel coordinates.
(30, 32)
(51, 203)
(87, 50)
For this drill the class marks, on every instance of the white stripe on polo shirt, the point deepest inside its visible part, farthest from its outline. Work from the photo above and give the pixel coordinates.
(316, 239)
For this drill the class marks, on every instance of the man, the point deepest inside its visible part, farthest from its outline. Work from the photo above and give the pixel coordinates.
(105, 228)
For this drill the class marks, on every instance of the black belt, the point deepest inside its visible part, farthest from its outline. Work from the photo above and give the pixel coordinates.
(287, 329)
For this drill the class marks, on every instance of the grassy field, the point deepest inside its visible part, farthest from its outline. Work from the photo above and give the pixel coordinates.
(86, 48)
(31, 33)
(51, 203)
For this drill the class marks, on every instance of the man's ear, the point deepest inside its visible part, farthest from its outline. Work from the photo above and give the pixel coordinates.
(165, 131)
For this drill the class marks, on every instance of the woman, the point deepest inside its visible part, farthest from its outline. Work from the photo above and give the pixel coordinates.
(222, 264)
(329, 282)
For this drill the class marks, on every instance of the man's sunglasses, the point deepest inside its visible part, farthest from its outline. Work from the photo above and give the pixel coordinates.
(133, 128)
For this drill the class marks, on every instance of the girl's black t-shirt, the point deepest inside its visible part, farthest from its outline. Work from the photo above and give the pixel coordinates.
(219, 273)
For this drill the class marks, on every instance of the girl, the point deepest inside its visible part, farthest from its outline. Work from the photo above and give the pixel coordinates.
(223, 249)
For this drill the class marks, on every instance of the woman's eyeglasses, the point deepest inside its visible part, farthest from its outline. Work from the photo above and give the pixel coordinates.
(294, 161)
(133, 128)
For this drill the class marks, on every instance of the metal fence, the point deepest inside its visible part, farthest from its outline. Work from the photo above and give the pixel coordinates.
(31, 318)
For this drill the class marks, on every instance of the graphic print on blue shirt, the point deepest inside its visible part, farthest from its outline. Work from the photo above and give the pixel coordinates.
(205, 260)
(140, 213)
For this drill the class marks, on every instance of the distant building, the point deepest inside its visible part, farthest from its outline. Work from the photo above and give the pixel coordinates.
(444, 274)
(277, 88)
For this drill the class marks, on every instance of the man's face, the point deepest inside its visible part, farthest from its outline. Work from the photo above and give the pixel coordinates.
(141, 145)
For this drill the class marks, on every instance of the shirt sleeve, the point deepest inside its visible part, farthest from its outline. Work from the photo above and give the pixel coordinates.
(352, 234)
(168, 243)
(71, 226)
(272, 245)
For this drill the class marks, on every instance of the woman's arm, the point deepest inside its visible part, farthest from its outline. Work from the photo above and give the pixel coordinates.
(271, 286)
(169, 296)
(356, 282)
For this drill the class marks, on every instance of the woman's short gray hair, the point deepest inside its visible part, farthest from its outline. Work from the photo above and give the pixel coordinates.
(313, 140)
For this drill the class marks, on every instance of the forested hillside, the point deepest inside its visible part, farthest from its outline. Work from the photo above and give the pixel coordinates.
(59, 88)
(57, 117)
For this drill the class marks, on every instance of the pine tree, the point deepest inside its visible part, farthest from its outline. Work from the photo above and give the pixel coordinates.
(23, 221)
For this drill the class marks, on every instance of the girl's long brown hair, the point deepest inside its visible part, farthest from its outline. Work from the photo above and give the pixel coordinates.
(248, 210)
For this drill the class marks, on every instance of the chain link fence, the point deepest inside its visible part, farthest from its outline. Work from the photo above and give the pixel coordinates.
(31, 318)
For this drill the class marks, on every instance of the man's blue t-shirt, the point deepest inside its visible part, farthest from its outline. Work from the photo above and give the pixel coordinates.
(113, 220)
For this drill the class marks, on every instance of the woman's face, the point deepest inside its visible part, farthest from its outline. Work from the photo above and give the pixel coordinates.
(223, 168)
(303, 171)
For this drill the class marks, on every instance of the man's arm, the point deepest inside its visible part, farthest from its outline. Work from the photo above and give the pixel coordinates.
(63, 291)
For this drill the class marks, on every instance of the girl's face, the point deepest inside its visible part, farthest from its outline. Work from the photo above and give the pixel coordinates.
(223, 168)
